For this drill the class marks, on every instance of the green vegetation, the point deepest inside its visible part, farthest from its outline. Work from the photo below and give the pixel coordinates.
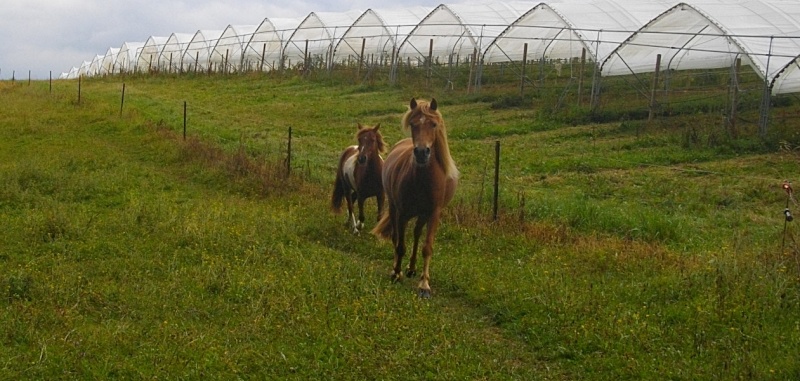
(624, 249)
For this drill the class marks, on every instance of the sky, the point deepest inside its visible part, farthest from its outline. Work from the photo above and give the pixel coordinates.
(44, 36)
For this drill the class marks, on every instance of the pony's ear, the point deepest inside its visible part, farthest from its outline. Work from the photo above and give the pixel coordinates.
(413, 104)
(377, 126)
(360, 126)
(433, 104)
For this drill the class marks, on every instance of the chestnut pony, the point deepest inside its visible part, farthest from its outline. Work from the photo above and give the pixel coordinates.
(420, 178)
(359, 175)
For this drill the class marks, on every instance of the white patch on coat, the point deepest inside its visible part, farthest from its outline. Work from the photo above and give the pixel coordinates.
(349, 168)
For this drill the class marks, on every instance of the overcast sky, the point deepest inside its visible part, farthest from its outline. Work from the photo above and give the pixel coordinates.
(41, 36)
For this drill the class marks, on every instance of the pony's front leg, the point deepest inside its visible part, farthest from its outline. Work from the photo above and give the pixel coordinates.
(412, 261)
(398, 238)
(427, 253)
(360, 223)
(351, 216)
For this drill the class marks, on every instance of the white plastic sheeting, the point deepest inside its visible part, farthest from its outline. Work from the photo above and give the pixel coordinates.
(561, 30)
(788, 80)
(198, 51)
(457, 30)
(71, 74)
(764, 34)
(95, 66)
(379, 32)
(128, 55)
(83, 70)
(621, 36)
(108, 64)
(171, 57)
(265, 48)
(148, 56)
(229, 49)
(316, 36)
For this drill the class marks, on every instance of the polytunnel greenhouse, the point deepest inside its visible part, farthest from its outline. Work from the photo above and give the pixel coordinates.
(228, 52)
(149, 54)
(171, 56)
(562, 30)
(765, 35)
(614, 37)
(312, 42)
(264, 50)
(377, 33)
(197, 55)
(127, 56)
(109, 61)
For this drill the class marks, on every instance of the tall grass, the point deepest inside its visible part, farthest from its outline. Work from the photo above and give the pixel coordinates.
(641, 250)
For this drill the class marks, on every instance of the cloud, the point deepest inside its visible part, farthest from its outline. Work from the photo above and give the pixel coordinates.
(55, 35)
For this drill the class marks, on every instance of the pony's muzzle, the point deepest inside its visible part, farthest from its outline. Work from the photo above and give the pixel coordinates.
(362, 159)
(422, 155)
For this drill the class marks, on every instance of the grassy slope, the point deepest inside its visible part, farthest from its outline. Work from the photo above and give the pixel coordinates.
(130, 253)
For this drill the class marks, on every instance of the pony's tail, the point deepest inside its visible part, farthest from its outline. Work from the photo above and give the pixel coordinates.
(383, 229)
(338, 193)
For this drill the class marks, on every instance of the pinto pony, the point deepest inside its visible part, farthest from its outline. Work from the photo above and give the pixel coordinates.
(420, 178)
(359, 175)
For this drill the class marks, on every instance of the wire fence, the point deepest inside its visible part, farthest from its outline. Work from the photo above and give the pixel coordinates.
(523, 69)
(725, 101)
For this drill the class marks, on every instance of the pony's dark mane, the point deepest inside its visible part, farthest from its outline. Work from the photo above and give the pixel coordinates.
(440, 146)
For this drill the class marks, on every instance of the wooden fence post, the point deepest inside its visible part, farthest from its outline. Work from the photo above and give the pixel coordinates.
(289, 154)
(122, 102)
(361, 58)
(263, 56)
(522, 76)
(305, 59)
(472, 66)
(580, 75)
(430, 64)
(184, 120)
(734, 99)
(653, 103)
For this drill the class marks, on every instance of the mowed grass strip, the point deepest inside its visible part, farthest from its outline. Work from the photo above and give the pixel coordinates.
(129, 255)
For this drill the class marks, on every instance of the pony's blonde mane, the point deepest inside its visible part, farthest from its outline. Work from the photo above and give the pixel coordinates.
(440, 146)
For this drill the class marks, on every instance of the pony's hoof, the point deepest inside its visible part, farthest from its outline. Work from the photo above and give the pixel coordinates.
(424, 294)
(396, 277)
(411, 273)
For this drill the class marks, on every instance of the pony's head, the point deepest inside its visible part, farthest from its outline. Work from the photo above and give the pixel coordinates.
(429, 135)
(370, 142)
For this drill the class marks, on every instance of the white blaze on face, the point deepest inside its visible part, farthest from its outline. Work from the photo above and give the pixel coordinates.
(422, 121)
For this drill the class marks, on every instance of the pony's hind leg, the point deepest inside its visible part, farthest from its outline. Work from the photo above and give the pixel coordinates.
(379, 199)
(412, 261)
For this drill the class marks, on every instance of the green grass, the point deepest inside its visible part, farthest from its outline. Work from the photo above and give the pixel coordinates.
(625, 250)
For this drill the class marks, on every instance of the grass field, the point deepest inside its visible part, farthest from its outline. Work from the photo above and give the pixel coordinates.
(622, 250)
